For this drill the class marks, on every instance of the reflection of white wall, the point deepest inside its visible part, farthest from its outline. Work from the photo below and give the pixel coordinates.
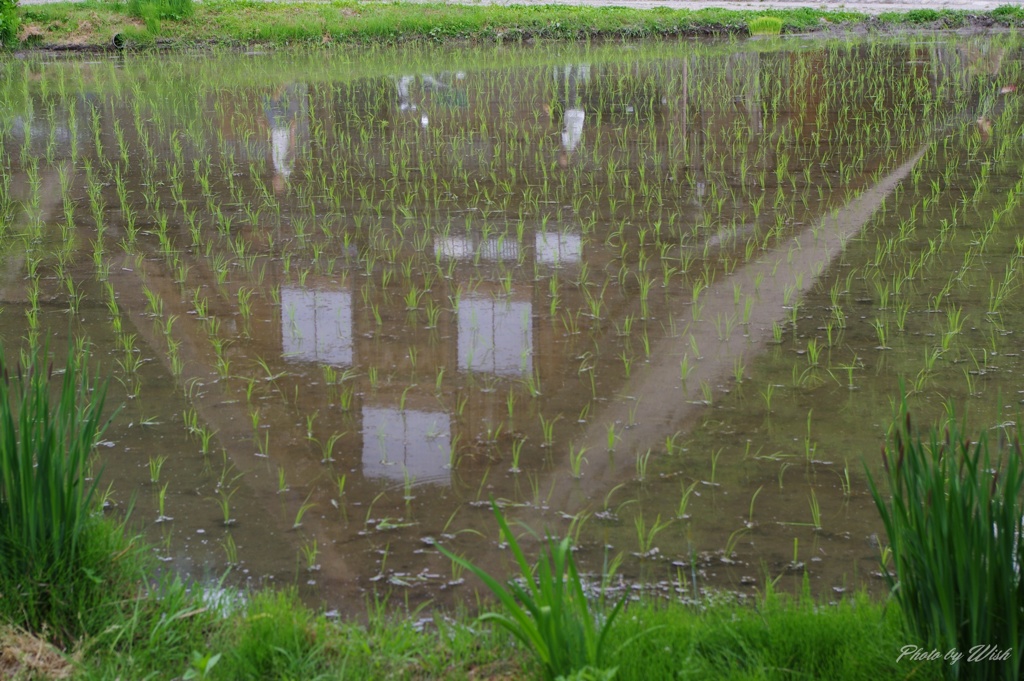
(465, 248)
(396, 442)
(558, 248)
(495, 336)
(316, 326)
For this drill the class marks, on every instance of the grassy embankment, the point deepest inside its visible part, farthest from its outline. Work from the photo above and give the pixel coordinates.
(241, 22)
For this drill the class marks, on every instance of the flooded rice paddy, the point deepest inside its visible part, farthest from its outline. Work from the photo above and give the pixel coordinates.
(659, 296)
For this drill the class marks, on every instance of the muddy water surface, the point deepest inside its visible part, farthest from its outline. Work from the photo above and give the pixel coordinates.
(659, 296)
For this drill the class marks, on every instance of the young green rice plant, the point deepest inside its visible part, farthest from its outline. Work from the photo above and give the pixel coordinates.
(627, 362)
(224, 504)
(902, 309)
(205, 436)
(645, 536)
(732, 541)
(548, 429)
(612, 437)
(262, 444)
(954, 517)
(766, 395)
(815, 511)
(301, 513)
(49, 569)
(230, 550)
(685, 369)
(738, 369)
(844, 480)
(161, 497)
(641, 465)
(714, 467)
(546, 608)
(707, 393)
(765, 26)
(684, 500)
(517, 451)
(155, 464)
(576, 460)
(809, 446)
(310, 550)
(882, 331)
(327, 446)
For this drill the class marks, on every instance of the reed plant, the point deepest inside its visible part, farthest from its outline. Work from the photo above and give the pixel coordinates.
(546, 607)
(55, 549)
(954, 521)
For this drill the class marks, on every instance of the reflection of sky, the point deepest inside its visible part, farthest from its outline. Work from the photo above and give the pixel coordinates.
(558, 248)
(466, 248)
(396, 442)
(316, 326)
(495, 336)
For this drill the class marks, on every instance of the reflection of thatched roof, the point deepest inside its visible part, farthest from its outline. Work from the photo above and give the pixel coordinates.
(23, 655)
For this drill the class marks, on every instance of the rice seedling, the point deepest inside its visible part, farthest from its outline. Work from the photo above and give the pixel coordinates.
(684, 500)
(230, 550)
(576, 460)
(301, 513)
(815, 511)
(517, 451)
(685, 369)
(156, 464)
(641, 465)
(548, 428)
(224, 504)
(645, 535)
(310, 551)
(161, 498)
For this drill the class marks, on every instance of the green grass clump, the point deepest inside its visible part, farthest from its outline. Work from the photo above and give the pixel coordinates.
(765, 26)
(550, 615)
(1012, 15)
(10, 23)
(56, 567)
(954, 523)
(779, 637)
(278, 638)
(153, 11)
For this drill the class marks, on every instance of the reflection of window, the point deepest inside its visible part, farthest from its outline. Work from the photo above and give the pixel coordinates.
(454, 247)
(558, 248)
(397, 443)
(495, 336)
(572, 133)
(464, 248)
(316, 326)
